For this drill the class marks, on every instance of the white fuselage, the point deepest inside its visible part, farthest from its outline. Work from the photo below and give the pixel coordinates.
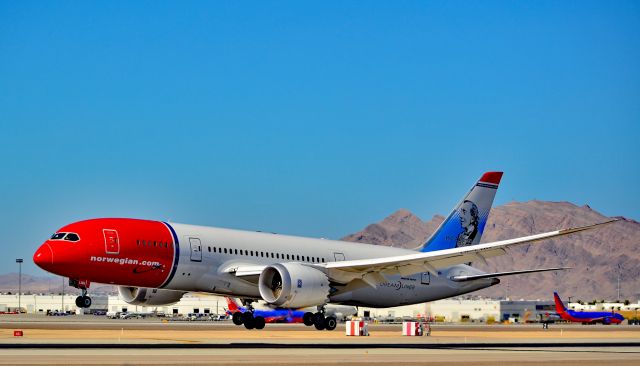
(207, 255)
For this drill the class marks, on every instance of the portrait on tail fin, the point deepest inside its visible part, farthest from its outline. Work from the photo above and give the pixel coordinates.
(469, 220)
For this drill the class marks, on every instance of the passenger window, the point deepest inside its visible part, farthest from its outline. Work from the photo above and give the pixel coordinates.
(287, 256)
(262, 254)
(271, 255)
(277, 255)
(225, 250)
(209, 249)
(297, 257)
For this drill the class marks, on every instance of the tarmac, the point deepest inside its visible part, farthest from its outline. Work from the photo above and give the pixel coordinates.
(95, 340)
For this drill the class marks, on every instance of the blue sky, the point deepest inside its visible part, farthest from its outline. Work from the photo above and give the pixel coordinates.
(306, 118)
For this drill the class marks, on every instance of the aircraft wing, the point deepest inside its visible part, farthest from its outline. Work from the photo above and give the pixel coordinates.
(373, 270)
(370, 269)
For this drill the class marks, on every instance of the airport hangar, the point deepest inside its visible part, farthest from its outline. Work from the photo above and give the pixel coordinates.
(447, 310)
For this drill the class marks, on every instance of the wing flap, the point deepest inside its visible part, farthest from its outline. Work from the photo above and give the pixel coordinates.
(501, 274)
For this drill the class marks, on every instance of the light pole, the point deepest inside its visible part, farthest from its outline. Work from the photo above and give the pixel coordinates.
(19, 261)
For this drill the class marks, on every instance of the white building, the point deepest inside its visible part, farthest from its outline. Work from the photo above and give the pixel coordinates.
(190, 303)
(447, 310)
(41, 303)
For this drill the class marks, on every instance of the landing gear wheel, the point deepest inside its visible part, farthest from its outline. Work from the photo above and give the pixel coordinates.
(248, 320)
(83, 301)
(237, 318)
(318, 321)
(259, 322)
(307, 319)
(330, 323)
(249, 324)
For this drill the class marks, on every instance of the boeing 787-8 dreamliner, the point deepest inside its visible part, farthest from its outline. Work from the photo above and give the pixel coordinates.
(156, 263)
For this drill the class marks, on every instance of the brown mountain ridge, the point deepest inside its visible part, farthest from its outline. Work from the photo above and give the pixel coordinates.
(596, 257)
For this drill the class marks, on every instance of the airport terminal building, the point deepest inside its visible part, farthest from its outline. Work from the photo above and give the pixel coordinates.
(447, 310)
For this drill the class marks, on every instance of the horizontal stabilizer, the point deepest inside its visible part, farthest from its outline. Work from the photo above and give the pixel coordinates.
(500, 274)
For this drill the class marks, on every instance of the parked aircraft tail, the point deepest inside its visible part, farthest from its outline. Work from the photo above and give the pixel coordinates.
(559, 305)
(232, 305)
(465, 224)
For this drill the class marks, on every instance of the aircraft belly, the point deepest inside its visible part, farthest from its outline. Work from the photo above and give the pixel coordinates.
(401, 290)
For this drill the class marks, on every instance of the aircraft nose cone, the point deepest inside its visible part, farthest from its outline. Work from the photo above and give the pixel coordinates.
(43, 257)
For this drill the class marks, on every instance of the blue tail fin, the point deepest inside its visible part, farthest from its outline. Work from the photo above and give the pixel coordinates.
(465, 224)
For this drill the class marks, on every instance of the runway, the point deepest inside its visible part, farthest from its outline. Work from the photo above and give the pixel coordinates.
(95, 340)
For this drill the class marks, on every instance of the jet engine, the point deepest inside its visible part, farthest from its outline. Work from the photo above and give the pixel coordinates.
(149, 296)
(293, 285)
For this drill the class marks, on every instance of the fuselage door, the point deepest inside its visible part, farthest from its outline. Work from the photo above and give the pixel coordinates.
(338, 256)
(111, 241)
(196, 249)
(425, 278)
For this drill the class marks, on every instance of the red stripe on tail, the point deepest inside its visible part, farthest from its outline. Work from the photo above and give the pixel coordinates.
(491, 177)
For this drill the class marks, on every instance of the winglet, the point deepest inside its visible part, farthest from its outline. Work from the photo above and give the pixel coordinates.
(589, 227)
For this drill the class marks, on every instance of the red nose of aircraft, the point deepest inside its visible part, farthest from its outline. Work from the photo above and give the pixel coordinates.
(58, 257)
(43, 257)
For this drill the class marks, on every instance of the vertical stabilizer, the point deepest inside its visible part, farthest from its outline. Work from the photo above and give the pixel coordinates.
(232, 305)
(465, 224)
(559, 305)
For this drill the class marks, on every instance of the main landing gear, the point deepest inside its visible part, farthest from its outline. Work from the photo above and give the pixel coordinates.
(83, 301)
(319, 320)
(248, 319)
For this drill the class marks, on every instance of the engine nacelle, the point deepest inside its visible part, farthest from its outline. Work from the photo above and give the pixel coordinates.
(149, 296)
(293, 285)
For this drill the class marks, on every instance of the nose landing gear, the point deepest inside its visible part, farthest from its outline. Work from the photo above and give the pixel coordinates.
(83, 301)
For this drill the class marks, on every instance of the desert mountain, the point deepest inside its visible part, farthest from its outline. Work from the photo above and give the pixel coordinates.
(594, 256)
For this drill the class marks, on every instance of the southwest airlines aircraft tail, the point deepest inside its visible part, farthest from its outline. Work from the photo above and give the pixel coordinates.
(465, 224)
(586, 317)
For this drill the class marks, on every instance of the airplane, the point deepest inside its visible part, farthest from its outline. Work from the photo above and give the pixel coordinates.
(155, 263)
(284, 315)
(586, 317)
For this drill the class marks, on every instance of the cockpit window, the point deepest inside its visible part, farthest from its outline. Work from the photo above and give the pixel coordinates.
(65, 236)
(72, 237)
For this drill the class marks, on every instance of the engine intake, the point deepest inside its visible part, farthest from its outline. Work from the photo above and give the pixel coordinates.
(149, 296)
(293, 285)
